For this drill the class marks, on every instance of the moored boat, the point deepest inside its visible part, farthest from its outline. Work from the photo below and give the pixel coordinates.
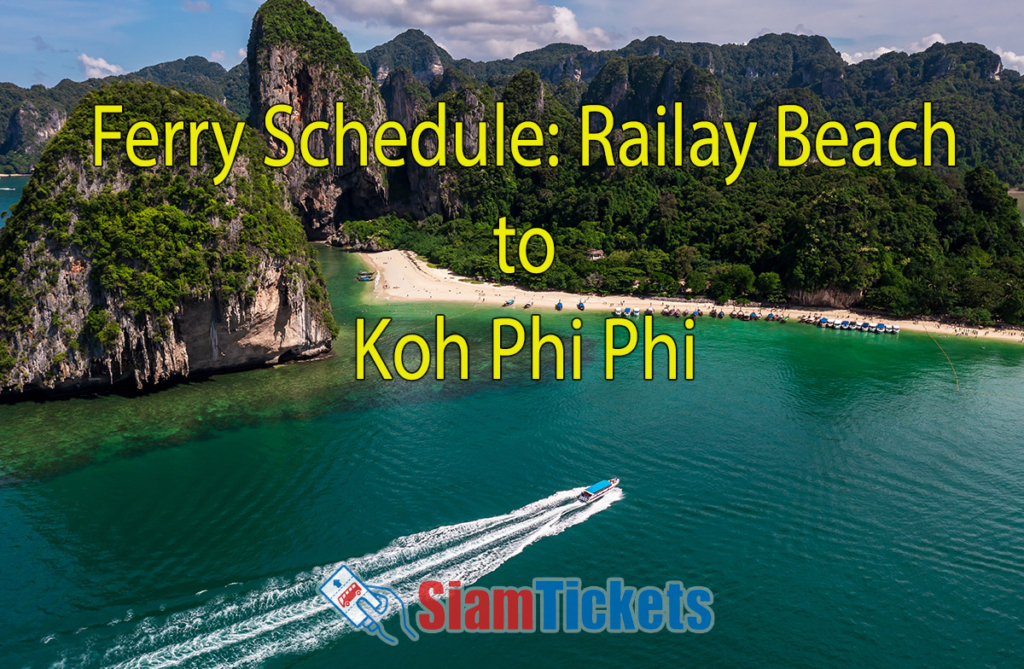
(581, 306)
(558, 307)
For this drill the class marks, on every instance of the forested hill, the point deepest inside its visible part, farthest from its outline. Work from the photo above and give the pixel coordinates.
(29, 117)
(966, 83)
(909, 241)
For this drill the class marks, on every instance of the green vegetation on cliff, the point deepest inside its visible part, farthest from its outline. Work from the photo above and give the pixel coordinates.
(300, 26)
(153, 236)
(412, 50)
(29, 116)
(908, 241)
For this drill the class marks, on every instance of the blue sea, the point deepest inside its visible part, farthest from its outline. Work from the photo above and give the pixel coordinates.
(844, 502)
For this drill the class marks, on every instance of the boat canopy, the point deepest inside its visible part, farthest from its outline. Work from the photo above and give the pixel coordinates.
(598, 487)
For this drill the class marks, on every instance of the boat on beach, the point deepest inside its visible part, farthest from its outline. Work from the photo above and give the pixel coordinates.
(618, 311)
(558, 307)
(365, 276)
(581, 306)
(528, 305)
(598, 490)
(509, 302)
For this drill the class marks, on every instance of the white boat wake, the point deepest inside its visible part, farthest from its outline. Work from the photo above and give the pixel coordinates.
(290, 617)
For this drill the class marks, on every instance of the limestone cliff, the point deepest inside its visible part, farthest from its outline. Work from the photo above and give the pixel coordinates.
(422, 191)
(29, 128)
(119, 274)
(634, 87)
(297, 58)
(412, 50)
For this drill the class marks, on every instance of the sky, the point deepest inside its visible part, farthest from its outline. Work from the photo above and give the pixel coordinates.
(44, 41)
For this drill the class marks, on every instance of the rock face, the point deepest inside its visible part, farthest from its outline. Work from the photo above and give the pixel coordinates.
(297, 58)
(827, 297)
(422, 191)
(632, 88)
(30, 128)
(124, 274)
(412, 50)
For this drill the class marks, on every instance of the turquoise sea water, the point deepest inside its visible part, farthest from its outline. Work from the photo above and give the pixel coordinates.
(10, 191)
(844, 503)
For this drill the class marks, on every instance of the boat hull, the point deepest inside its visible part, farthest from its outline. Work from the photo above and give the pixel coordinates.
(587, 498)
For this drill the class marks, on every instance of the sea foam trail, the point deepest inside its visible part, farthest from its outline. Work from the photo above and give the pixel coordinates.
(289, 616)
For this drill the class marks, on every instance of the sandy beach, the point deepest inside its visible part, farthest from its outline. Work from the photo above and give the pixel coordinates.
(401, 277)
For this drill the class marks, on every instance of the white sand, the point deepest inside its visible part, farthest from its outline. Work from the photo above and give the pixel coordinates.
(401, 277)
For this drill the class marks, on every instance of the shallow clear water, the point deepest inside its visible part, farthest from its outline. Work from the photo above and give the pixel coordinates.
(844, 503)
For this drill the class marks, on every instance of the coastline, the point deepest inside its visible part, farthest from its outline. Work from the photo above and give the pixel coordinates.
(402, 277)
(12, 176)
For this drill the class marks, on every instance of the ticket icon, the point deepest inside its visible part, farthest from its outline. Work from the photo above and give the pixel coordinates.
(344, 590)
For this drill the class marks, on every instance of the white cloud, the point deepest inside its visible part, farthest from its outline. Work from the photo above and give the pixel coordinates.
(1011, 60)
(475, 28)
(934, 38)
(196, 7)
(221, 56)
(913, 47)
(95, 68)
(852, 58)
